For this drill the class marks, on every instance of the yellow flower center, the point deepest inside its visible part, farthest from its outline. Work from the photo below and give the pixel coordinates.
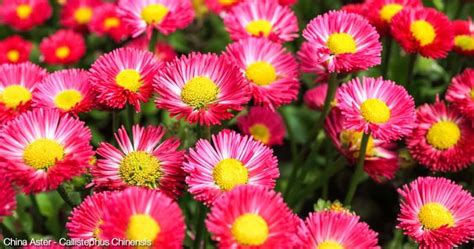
(23, 11)
(140, 168)
(142, 227)
(199, 92)
(227, 2)
(43, 153)
(83, 15)
(96, 233)
(67, 99)
(423, 32)
(329, 244)
(14, 95)
(375, 111)
(229, 173)
(352, 140)
(111, 22)
(261, 73)
(129, 79)
(388, 11)
(433, 215)
(341, 43)
(259, 27)
(472, 94)
(260, 132)
(63, 52)
(13, 55)
(443, 135)
(154, 13)
(250, 230)
(465, 42)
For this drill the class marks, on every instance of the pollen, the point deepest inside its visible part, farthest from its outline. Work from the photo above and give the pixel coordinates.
(129, 79)
(443, 135)
(433, 215)
(43, 153)
(229, 173)
(260, 132)
(111, 22)
(250, 230)
(63, 52)
(154, 13)
(83, 15)
(261, 73)
(341, 43)
(465, 42)
(142, 227)
(329, 244)
(259, 27)
(199, 92)
(375, 111)
(227, 2)
(389, 11)
(15, 95)
(67, 99)
(423, 32)
(13, 55)
(140, 168)
(23, 11)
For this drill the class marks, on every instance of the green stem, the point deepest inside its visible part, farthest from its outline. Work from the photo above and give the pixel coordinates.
(205, 132)
(115, 121)
(359, 171)
(65, 196)
(130, 117)
(201, 212)
(153, 41)
(411, 70)
(36, 214)
(387, 56)
(6, 232)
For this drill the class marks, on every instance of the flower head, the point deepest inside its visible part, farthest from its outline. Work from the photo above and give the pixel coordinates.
(106, 21)
(463, 37)
(461, 93)
(381, 12)
(77, 14)
(25, 14)
(64, 47)
(14, 49)
(309, 65)
(231, 161)
(315, 97)
(356, 8)
(163, 51)
(7, 198)
(264, 125)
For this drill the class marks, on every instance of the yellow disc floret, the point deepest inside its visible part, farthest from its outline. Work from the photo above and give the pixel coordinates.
(23, 11)
(375, 111)
(352, 140)
(329, 244)
(388, 11)
(423, 32)
(83, 15)
(261, 73)
(199, 92)
(129, 79)
(259, 27)
(111, 22)
(140, 168)
(433, 215)
(63, 52)
(472, 94)
(154, 13)
(250, 230)
(229, 173)
(67, 99)
(14, 95)
(465, 42)
(227, 2)
(43, 153)
(260, 132)
(142, 227)
(443, 135)
(341, 43)
(13, 55)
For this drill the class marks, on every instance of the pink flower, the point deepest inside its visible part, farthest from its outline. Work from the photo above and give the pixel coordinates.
(461, 93)
(23, 15)
(77, 14)
(463, 37)
(263, 125)
(65, 47)
(7, 198)
(381, 12)
(106, 21)
(14, 49)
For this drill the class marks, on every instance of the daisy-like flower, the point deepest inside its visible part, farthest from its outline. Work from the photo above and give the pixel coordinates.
(85, 220)
(308, 65)
(144, 215)
(376, 106)
(124, 76)
(76, 14)
(42, 148)
(231, 161)
(220, 6)
(143, 160)
(463, 37)
(271, 70)
(264, 125)
(423, 30)
(381, 12)
(14, 49)
(164, 15)
(316, 97)
(163, 51)
(335, 230)
(252, 217)
(7, 198)
(461, 93)
(67, 91)
(106, 21)
(63, 47)
(436, 213)
(262, 18)
(381, 159)
(25, 14)
(343, 42)
(442, 139)
(203, 88)
(17, 86)
(356, 8)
